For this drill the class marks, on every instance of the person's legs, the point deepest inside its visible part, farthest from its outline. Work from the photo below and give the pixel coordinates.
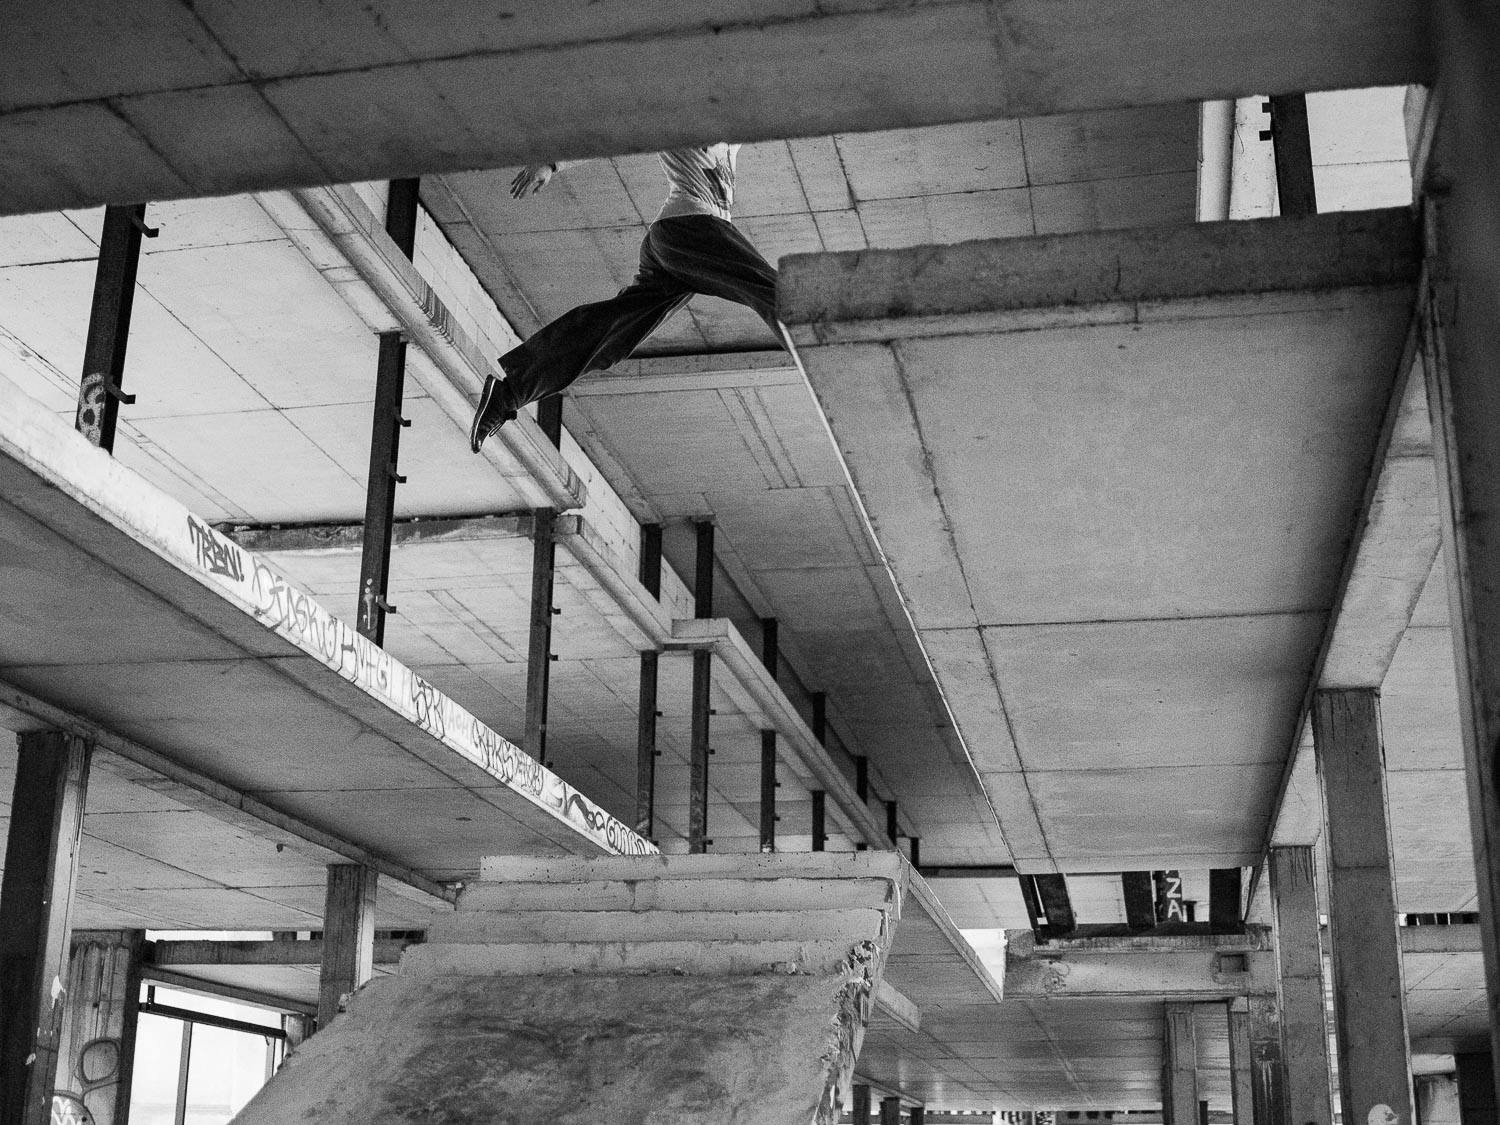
(708, 255)
(588, 338)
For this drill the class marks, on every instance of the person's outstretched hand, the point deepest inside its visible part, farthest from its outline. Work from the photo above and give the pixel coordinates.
(530, 180)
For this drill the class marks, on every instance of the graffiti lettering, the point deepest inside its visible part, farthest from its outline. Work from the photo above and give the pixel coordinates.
(300, 619)
(215, 553)
(427, 703)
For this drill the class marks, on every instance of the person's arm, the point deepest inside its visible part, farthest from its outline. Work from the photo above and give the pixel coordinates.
(534, 177)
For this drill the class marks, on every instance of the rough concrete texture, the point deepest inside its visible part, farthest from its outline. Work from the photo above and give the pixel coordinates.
(562, 1049)
(734, 1024)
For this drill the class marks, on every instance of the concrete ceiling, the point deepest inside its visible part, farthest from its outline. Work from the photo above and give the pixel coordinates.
(578, 240)
(254, 369)
(217, 98)
(1118, 538)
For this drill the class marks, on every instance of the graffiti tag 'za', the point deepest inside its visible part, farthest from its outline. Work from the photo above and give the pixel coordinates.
(307, 624)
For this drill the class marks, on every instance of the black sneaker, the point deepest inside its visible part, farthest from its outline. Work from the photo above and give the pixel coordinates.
(492, 413)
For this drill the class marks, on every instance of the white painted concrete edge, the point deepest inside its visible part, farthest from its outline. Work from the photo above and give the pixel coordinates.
(922, 894)
(1382, 578)
(50, 448)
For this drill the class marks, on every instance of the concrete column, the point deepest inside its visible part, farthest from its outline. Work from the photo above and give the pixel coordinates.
(1368, 991)
(890, 1111)
(1476, 1089)
(1267, 1069)
(36, 898)
(861, 1110)
(348, 936)
(1437, 1098)
(1299, 955)
(1462, 353)
(297, 1027)
(1241, 1064)
(918, 1115)
(96, 1046)
(1179, 1093)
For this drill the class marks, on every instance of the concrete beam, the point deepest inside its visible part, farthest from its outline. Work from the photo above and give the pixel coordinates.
(341, 237)
(1163, 939)
(893, 1005)
(1097, 277)
(1464, 938)
(381, 91)
(182, 954)
(350, 537)
(1196, 974)
(1395, 539)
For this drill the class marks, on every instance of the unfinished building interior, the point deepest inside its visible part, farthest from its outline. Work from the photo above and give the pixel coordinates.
(1054, 679)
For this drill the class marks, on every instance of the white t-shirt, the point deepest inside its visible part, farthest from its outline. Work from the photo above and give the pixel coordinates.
(701, 180)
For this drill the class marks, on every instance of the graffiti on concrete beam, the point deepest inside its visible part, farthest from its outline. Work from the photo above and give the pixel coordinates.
(211, 553)
(294, 615)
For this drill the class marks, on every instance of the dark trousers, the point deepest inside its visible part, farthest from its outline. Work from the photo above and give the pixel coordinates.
(679, 257)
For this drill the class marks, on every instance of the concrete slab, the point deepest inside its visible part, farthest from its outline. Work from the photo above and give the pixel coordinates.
(1009, 436)
(694, 1011)
(389, 91)
(382, 727)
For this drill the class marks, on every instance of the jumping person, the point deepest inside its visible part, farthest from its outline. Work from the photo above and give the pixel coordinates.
(692, 247)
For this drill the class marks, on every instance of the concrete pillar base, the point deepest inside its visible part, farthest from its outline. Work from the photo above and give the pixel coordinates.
(683, 989)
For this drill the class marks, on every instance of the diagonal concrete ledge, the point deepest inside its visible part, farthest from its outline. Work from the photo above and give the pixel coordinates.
(338, 233)
(1097, 277)
(1384, 572)
(41, 456)
(685, 1010)
(719, 636)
